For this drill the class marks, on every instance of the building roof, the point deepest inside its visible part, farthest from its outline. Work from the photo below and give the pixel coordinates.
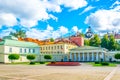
(64, 41)
(85, 48)
(16, 43)
(117, 36)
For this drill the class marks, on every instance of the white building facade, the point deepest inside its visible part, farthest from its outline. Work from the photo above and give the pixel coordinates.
(17, 47)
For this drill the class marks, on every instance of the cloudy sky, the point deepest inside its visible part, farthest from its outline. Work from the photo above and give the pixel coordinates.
(43, 19)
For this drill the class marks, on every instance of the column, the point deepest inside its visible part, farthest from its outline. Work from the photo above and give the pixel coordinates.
(88, 57)
(103, 56)
(74, 56)
(71, 56)
(92, 56)
(97, 56)
(78, 56)
(83, 56)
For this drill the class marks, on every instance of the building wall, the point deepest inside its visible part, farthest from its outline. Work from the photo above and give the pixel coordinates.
(55, 57)
(79, 41)
(21, 50)
(1, 49)
(6, 50)
(1, 58)
(111, 55)
(56, 48)
(117, 40)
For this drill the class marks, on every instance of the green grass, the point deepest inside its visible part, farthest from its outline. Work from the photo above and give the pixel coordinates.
(26, 63)
(99, 65)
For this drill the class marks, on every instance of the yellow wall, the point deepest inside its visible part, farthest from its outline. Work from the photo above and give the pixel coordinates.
(55, 48)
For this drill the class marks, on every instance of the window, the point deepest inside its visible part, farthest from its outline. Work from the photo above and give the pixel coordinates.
(58, 47)
(33, 50)
(61, 47)
(21, 50)
(10, 49)
(29, 50)
(24, 50)
(54, 47)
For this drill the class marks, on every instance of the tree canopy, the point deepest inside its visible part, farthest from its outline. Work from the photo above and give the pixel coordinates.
(105, 41)
(31, 57)
(95, 41)
(13, 56)
(117, 56)
(19, 33)
(48, 57)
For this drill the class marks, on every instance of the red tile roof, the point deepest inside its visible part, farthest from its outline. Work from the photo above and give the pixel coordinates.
(117, 36)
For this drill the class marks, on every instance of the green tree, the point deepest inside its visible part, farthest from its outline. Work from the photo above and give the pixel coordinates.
(51, 40)
(82, 34)
(105, 41)
(95, 41)
(31, 57)
(117, 46)
(13, 57)
(112, 43)
(86, 42)
(19, 34)
(47, 57)
(117, 56)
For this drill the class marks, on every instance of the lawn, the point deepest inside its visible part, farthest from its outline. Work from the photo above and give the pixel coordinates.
(27, 63)
(99, 65)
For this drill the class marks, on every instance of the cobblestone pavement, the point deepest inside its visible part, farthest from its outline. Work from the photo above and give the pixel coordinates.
(43, 72)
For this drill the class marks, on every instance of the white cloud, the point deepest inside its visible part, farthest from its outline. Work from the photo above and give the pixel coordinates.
(116, 3)
(29, 12)
(63, 30)
(6, 32)
(73, 4)
(87, 9)
(75, 28)
(104, 20)
(7, 19)
(50, 28)
(48, 33)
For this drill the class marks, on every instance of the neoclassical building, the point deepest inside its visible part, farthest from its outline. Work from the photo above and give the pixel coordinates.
(57, 50)
(87, 53)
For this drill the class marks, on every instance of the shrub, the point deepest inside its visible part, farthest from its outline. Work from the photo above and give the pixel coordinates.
(97, 62)
(13, 57)
(42, 62)
(104, 63)
(32, 63)
(117, 56)
(48, 57)
(31, 57)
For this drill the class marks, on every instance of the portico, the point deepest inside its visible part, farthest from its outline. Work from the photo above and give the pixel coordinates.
(87, 53)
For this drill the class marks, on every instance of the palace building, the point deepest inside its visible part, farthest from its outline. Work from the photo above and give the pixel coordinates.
(65, 49)
(11, 45)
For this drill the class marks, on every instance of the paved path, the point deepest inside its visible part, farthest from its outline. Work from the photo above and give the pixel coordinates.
(110, 75)
(39, 72)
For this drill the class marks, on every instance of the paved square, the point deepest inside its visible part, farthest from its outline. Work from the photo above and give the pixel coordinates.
(42, 72)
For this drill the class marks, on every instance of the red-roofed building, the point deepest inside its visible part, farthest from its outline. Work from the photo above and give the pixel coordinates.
(117, 38)
(78, 40)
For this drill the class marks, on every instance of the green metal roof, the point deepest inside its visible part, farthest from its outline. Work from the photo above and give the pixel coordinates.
(86, 48)
(17, 43)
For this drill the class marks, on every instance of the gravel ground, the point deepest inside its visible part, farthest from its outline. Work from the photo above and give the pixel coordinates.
(43, 72)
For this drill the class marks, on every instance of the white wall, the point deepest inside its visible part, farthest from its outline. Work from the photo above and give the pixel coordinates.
(17, 50)
(1, 49)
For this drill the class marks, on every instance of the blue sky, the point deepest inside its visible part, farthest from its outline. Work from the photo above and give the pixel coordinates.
(43, 19)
